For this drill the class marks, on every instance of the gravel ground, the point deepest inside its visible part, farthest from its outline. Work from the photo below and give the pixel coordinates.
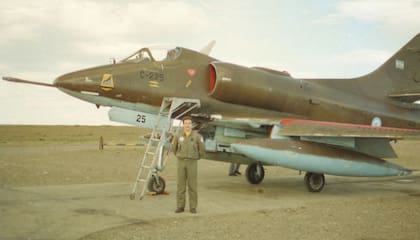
(38, 157)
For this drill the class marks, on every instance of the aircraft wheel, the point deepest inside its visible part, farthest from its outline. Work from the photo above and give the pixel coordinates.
(156, 184)
(314, 181)
(255, 173)
(132, 196)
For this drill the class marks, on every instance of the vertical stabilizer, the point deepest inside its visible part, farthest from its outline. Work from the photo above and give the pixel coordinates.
(399, 77)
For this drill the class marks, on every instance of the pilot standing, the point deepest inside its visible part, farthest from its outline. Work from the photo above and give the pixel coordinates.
(188, 147)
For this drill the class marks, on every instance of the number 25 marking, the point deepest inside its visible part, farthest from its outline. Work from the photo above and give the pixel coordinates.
(141, 118)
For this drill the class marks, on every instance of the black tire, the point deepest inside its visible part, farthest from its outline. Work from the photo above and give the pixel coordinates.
(156, 186)
(252, 174)
(314, 182)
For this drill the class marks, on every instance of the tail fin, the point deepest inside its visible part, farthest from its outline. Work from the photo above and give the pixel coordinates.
(399, 77)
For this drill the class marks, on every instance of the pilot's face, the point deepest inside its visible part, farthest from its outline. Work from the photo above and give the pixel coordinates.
(187, 125)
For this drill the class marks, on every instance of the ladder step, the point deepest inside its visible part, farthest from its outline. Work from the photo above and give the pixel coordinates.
(150, 153)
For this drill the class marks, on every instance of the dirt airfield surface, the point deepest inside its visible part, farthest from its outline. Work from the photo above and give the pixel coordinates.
(56, 184)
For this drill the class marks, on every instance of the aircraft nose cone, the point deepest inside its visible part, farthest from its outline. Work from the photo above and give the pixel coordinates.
(74, 82)
(65, 82)
(57, 82)
(61, 82)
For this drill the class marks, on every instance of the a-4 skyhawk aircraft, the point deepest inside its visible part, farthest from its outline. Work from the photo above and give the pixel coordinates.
(259, 116)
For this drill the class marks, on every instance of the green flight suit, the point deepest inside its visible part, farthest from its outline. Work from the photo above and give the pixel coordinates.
(187, 149)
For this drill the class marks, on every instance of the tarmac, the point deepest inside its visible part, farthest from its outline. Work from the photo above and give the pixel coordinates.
(74, 211)
(48, 193)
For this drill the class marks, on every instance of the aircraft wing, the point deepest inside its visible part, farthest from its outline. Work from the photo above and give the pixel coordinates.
(310, 128)
(317, 146)
(298, 127)
(359, 139)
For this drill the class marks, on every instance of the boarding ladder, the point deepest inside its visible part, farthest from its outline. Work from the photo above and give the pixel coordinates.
(152, 162)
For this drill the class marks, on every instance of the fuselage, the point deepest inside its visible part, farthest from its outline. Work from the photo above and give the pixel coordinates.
(228, 89)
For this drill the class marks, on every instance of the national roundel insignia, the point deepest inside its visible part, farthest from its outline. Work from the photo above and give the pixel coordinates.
(191, 72)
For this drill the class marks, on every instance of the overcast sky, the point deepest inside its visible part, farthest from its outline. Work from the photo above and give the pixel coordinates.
(40, 40)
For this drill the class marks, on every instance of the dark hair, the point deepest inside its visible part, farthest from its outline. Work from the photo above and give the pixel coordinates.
(186, 118)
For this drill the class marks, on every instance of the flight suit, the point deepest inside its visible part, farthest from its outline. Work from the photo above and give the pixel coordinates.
(187, 149)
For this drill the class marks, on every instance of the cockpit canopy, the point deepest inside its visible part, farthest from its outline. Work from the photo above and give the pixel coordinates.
(154, 55)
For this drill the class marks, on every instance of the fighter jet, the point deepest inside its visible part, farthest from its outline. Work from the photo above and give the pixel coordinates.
(259, 116)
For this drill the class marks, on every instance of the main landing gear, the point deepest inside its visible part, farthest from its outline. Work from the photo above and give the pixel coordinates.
(314, 182)
(255, 173)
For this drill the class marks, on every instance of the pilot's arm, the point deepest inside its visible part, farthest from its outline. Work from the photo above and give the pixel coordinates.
(201, 146)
